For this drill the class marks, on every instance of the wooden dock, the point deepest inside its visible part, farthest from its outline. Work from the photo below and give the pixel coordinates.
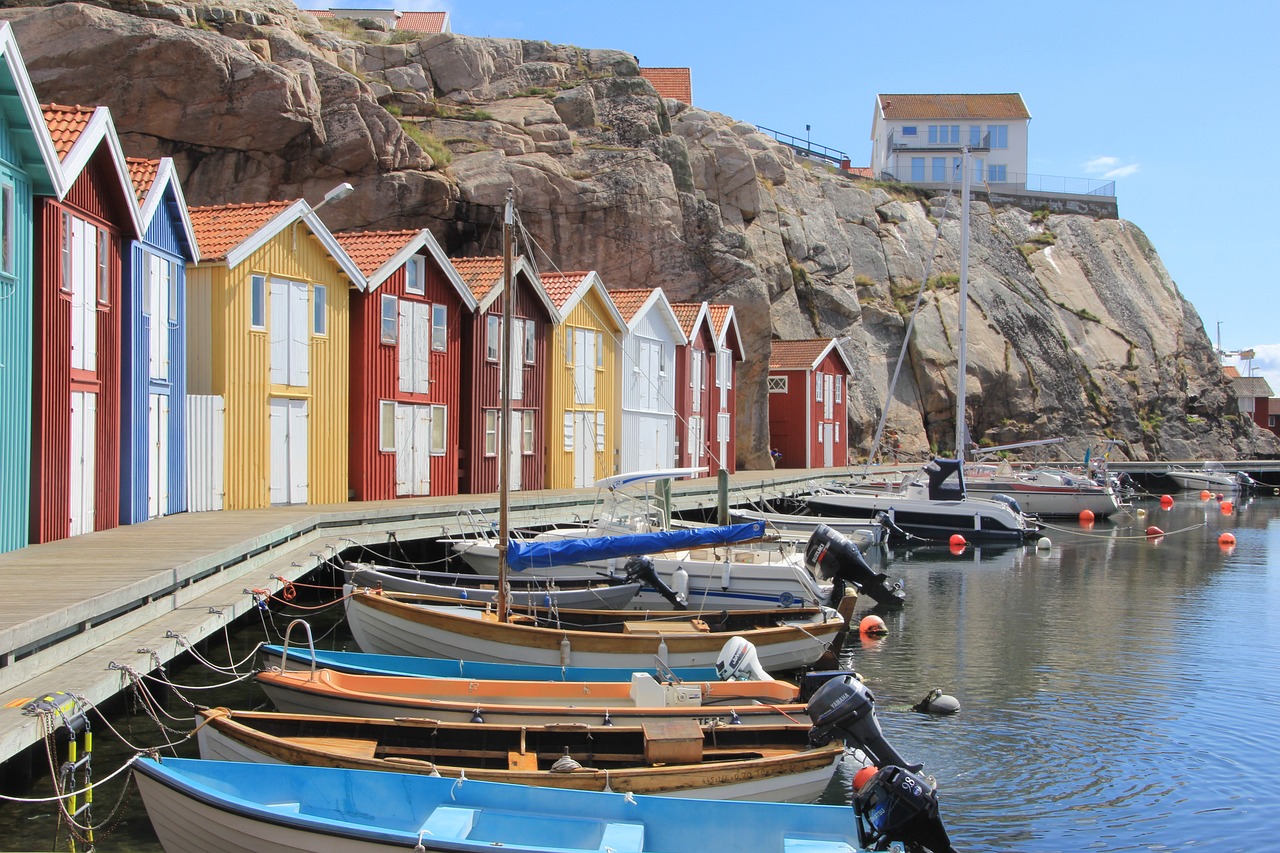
(73, 608)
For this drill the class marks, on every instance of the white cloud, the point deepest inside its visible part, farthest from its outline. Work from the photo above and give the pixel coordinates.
(1109, 168)
(1122, 172)
(1099, 164)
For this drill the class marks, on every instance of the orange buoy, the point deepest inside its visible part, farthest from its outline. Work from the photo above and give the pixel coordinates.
(957, 541)
(863, 776)
(1220, 495)
(1227, 507)
(1166, 501)
(1205, 494)
(1086, 516)
(1154, 531)
(1227, 540)
(872, 625)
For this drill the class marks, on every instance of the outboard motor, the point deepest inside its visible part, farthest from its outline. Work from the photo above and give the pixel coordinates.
(1007, 500)
(640, 568)
(896, 803)
(946, 479)
(738, 661)
(831, 556)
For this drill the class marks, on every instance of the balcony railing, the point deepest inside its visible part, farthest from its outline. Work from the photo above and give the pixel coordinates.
(1020, 181)
(804, 146)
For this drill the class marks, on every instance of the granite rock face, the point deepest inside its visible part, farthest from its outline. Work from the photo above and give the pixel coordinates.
(1074, 327)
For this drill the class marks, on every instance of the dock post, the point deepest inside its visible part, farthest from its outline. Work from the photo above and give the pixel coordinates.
(722, 496)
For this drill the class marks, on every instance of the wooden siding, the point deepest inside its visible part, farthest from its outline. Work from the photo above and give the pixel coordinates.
(15, 356)
(790, 413)
(163, 239)
(375, 377)
(641, 410)
(240, 362)
(482, 389)
(52, 382)
(702, 340)
(589, 314)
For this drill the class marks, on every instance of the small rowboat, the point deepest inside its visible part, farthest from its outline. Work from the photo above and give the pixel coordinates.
(680, 758)
(531, 703)
(231, 807)
(572, 591)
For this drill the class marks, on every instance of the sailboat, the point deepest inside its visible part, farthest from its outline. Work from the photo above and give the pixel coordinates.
(389, 623)
(941, 508)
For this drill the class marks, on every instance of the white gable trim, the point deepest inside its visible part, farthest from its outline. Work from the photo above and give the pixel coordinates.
(424, 238)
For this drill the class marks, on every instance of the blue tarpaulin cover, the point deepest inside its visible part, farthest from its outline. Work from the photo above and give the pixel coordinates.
(523, 555)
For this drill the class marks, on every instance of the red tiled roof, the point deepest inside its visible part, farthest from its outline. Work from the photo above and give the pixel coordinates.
(629, 300)
(423, 22)
(675, 83)
(860, 171)
(686, 313)
(321, 13)
(1006, 106)
(65, 125)
(371, 249)
(479, 274)
(796, 355)
(221, 227)
(1230, 371)
(561, 285)
(718, 314)
(143, 174)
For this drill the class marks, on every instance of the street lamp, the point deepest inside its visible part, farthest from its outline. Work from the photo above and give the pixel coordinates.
(341, 191)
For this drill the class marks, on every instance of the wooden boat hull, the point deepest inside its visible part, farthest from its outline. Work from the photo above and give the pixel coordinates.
(382, 697)
(766, 764)
(385, 625)
(596, 593)
(228, 807)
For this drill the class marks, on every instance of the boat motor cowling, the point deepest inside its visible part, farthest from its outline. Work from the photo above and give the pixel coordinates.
(845, 708)
(738, 661)
(899, 805)
(640, 568)
(833, 557)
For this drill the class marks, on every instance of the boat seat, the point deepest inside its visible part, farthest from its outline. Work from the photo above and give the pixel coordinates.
(816, 845)
(449, 822)
(622, 838)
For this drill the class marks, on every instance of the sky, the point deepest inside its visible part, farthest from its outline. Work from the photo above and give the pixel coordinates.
(1171, 100)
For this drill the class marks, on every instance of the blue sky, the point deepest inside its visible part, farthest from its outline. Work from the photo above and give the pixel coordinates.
(1175, 101)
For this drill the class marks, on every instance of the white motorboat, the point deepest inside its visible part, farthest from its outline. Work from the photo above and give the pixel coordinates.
(1042, 491)
(1212, 476)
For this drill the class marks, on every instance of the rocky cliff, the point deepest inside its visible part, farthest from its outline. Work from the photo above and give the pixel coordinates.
(1075, 328)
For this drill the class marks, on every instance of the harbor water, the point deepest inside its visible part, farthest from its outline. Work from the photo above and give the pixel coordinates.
(1119, 692)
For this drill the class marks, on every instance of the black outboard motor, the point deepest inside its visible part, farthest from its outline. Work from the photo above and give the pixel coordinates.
(946, 479)
(833, 557)
(1008, 500)
(640, 568)
(897, 803)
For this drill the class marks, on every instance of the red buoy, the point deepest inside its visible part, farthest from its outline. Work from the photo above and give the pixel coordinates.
(1205, 494)
(864, 776)
(1166, 501)
(1086, 516)
(872, 625)
(957, 541)
(1154, 531)
(1227, 540)
(1227, 507)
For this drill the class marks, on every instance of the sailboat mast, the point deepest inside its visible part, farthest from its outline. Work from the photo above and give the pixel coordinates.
(962, 366)
(504, 420)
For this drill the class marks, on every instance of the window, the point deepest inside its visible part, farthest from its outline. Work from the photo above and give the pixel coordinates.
(527, 434)
(944, 134)
(386, 426)
(104, 277)
(909, 131)
(917, 168)
(7, 260)
(493, 337)
(999, 134)
(599, 350)
(390, 326)
(820, 432)
(975, 135)
(568, 431)
(173, 293)
(439, 429)
(979, 168)
(415, 275)
(837, 431)
(777, 384)
(839, 388)
(722, 426)
(599, 432)
(817, 394)
(439, 327)
(490, 432)
(939, 165)
(66, 251)
(319, 302)
(530, 342)
(258, 302)
(157, 297)
(996, 174)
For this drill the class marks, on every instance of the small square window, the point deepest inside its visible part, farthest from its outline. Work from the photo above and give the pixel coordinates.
(493, 337)
(390, 326)
(320, 299)
(387, 426)
(258, 302)
(415, 275)
(490, 432)
(439, 429)
(777, 384)
(909, 131)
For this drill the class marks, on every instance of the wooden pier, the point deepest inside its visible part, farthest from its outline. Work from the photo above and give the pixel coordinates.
(143, 593)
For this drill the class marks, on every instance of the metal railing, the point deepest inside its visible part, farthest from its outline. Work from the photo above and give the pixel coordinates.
(1025, 182)
(805, 146)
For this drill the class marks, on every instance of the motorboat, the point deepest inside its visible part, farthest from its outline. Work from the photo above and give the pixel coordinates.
(1039, 491)
(1212, 476)
(597, 591)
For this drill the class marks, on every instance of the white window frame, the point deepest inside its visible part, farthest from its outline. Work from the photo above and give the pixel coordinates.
(104, 268)
(66, 251)
(817, 394)
(258, 303)
(777, 384)
(439, 327)
(840, 388)
(8, 263)
(387, 429)
(528, 431)
(320, 310)
(439, 430)
(493, 338)
(490, 432)
(389, 319)
(530, 342)
(415, 278)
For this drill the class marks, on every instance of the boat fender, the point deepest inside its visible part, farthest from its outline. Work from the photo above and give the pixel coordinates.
(566, 650)
(937, 703)
(680, 584)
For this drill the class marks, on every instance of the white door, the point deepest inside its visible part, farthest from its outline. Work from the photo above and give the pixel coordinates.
(515, 477)
(413, 450)
(722, 436)
(584, 449)
(290, 333)
(157, 455)
(288, 451)
(697, 446)
(84, 422)
(828, 444)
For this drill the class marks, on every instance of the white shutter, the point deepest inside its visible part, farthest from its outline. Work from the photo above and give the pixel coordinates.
(162, 454)
(278, 414)
(593, 352)
(298, 469)
(278, 325)
(79, 347)
(89, 281)
(421, 348)
(154, 317)
(568, 431)
(404, 448)
(422, 448)
(516, 352)
(153, 450)
(404, 349)
(84, 418)
(299, 335)
(599, 432)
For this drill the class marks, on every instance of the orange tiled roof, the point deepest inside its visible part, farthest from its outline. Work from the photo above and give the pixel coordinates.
(860, 171)
(675, 83)
(479, 274)
(1008, 106)
(718, 314)
(796, 355)
(686, 313)
(422, 22)
(561, 285)
(321, 13)
(143, 174)
(629, 300)
(371, 249)
(65, 125)
(1230, 371)
(221, 227)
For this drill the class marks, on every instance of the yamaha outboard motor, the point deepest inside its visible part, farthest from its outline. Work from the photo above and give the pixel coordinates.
(640, 568)
(896, 803)
(833, 557)
(946, 479)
